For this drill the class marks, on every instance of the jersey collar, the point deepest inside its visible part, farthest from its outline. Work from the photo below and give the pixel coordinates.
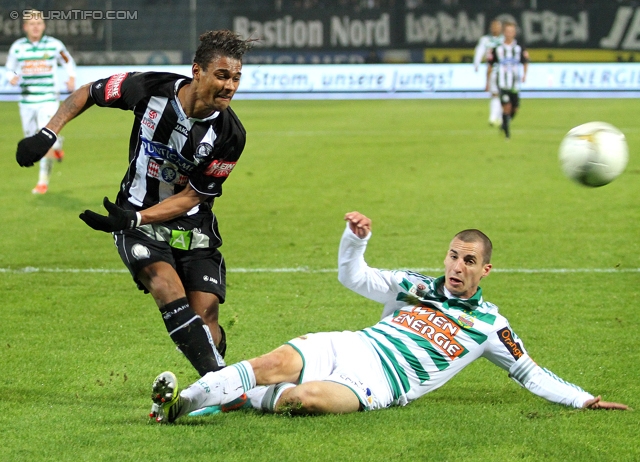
(179, 83)
(464, 303)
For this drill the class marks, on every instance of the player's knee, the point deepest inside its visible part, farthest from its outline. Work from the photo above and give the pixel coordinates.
(210, 313)
(307, 399)
(163, 286)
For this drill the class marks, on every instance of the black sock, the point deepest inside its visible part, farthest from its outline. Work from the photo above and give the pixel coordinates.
(505, 124)
(222, 346)
(191, 336)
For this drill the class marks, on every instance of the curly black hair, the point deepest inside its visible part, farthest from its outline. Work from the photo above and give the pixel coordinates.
(217, 43)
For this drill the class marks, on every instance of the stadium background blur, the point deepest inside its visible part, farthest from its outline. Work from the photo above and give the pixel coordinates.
(332, 32)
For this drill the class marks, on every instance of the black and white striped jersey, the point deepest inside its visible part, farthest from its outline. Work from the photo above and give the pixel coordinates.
(167, 149)
(507, 61)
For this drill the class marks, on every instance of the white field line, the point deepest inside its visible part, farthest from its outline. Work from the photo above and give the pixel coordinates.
(31, 269)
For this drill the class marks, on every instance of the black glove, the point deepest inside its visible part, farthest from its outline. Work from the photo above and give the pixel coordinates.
(33, 148)
(117, 220)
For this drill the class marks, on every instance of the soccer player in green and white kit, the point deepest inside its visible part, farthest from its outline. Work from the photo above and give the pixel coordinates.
(431, 329)
(33, 63)
(483, 48)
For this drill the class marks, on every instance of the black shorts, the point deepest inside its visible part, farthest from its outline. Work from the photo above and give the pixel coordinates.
(508, 96)
(199, 269)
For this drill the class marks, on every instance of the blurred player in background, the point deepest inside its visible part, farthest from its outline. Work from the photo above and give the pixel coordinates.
(483, 48)
(430, 329)
(509, 61)
(184, 143)
(33, 63)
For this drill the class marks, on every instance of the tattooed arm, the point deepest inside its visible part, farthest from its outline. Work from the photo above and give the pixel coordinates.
(77, 102)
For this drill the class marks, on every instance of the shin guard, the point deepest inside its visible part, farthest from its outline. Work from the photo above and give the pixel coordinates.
(191, 336)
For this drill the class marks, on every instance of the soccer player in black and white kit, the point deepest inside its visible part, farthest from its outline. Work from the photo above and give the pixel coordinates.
(184, 144)
(511, 61)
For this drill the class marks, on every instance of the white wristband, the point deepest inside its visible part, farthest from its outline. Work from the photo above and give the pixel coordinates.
(138, 219)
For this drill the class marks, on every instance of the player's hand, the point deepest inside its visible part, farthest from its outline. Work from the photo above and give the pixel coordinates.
(34, 148)
(71, 84)
(117, 220)
(359, 224)
(597, 403)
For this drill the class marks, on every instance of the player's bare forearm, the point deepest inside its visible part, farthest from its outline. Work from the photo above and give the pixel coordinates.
(77, 102)
(173, 206)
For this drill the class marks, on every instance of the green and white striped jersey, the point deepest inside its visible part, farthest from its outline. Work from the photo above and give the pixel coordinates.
(426, 336)
(484, 46)
(37, 65)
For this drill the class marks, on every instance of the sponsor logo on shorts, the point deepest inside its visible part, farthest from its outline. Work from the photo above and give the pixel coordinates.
(366, 392)
(140, 252)
(114, 85)
(209, 279)
(506, 337)
(219, 168)
(434, 327)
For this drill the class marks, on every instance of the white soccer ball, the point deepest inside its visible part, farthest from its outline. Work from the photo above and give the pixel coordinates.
(594, 154)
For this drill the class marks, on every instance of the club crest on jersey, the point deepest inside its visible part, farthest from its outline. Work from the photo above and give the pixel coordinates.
(202, 151)
(466, 321)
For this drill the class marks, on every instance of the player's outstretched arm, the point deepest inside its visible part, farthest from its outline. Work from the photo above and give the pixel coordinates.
(77, 102)
(34, 148)
(597, 403)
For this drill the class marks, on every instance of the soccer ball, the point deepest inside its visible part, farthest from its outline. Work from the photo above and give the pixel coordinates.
(594, 154)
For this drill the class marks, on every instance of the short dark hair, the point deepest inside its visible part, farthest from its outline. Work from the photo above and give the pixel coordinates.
(217, 43)
(475, 235)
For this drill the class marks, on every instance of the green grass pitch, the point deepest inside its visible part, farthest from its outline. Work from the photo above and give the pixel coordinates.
(79, 348)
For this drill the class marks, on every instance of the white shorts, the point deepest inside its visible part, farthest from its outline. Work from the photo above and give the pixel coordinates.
(343, 357)
(37, 115)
